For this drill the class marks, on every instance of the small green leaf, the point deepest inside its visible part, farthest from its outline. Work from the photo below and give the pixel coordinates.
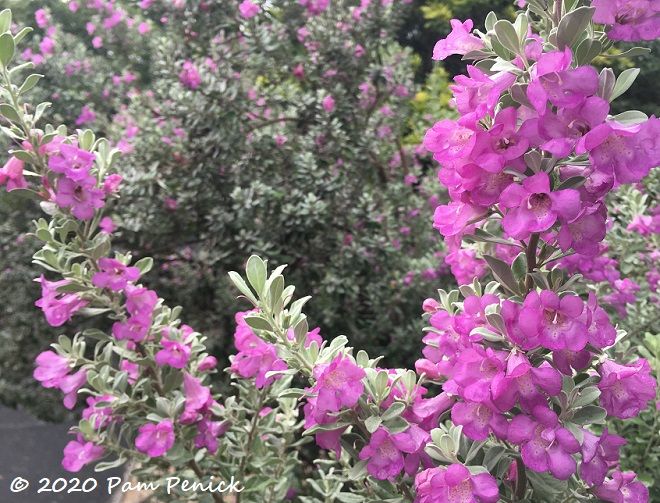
(19, 36)
(29, 83)
(5, 20)
(6, 48)
(145, 264)
(256, 273)
(631, 53)
(372, 423)
(572, 25)
(631, 117)
(623, 82)
(8, 112)
(502, 273)
(572, 183)
(258, 323)
(507, 36)
(590, 414)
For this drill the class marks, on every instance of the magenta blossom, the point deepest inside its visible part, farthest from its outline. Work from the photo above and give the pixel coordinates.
(102, 415)
(459, 41)
(455, 484)
(114, 275)
(174, 354)
(385, 451)
(479, 419)
(628, 152)
(12, 173)
(328, 103)
(70, 386)
(545, 444)
(73, 162)
(626, 389)
(51, 369)
(621, 489)
(631, 20)
(248, 9)
(209, 431)
(198, 397)
(57, 310)
(81, 195)
(553, 81)
(78, 453)
(155, 439)
(134, 328)
(140, 301)
(189, 75)
(598, 453)
(534, 208)
(338, 384)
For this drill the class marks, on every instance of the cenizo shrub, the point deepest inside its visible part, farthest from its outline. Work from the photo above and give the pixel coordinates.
(528, 364)
(280, 133)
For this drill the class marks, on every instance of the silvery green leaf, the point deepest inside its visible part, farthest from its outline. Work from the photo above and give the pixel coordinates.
(372, 423)
(587, 51)
(623, 82)
(631, 117)
(5, 20)
(9, 113)
(242, 286)
(258, 323)
(144, 265)
(7, 47)
(507, 36)
(590, 414)
(631, 53)
(256, 273)
(396, 409)
(502, 273)
(29, 83)
(572, 25)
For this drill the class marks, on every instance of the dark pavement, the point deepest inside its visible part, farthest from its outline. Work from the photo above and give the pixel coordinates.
(32, 450)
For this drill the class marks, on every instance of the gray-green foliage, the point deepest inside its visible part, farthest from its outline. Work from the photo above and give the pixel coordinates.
(330, 200)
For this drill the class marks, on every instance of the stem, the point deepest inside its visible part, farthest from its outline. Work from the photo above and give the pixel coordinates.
(198, 471)
(530, 255)
(522, 479)
(250, 439)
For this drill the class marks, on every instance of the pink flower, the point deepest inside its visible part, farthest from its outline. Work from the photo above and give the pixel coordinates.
(553, 81)
(70, 386)
(621, 489)
(533, 208)
(598, 454)
(209, 431)
(628, 152)
(143, 28)
(107, 225)
(459, 41)
(631, 20)
(46, 46)
(90, 27)
(42, 18)
(114, 275)
(97, 42)
(102, 415)
(57, 310)
(455, 484)
(73, 162)
(328, 103)
(208, 363)
(174, 354)
(12, 173)
(299, 72)
(625, 389)
(135, 328)
(545, 444)
(51, 369)
(255, 357)
(155, 439)
(198, 397)
(338, 384)
(189, 75)
(140, 301)
(86, 117)
(111, 183)
(248, 9)
(78, 453)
